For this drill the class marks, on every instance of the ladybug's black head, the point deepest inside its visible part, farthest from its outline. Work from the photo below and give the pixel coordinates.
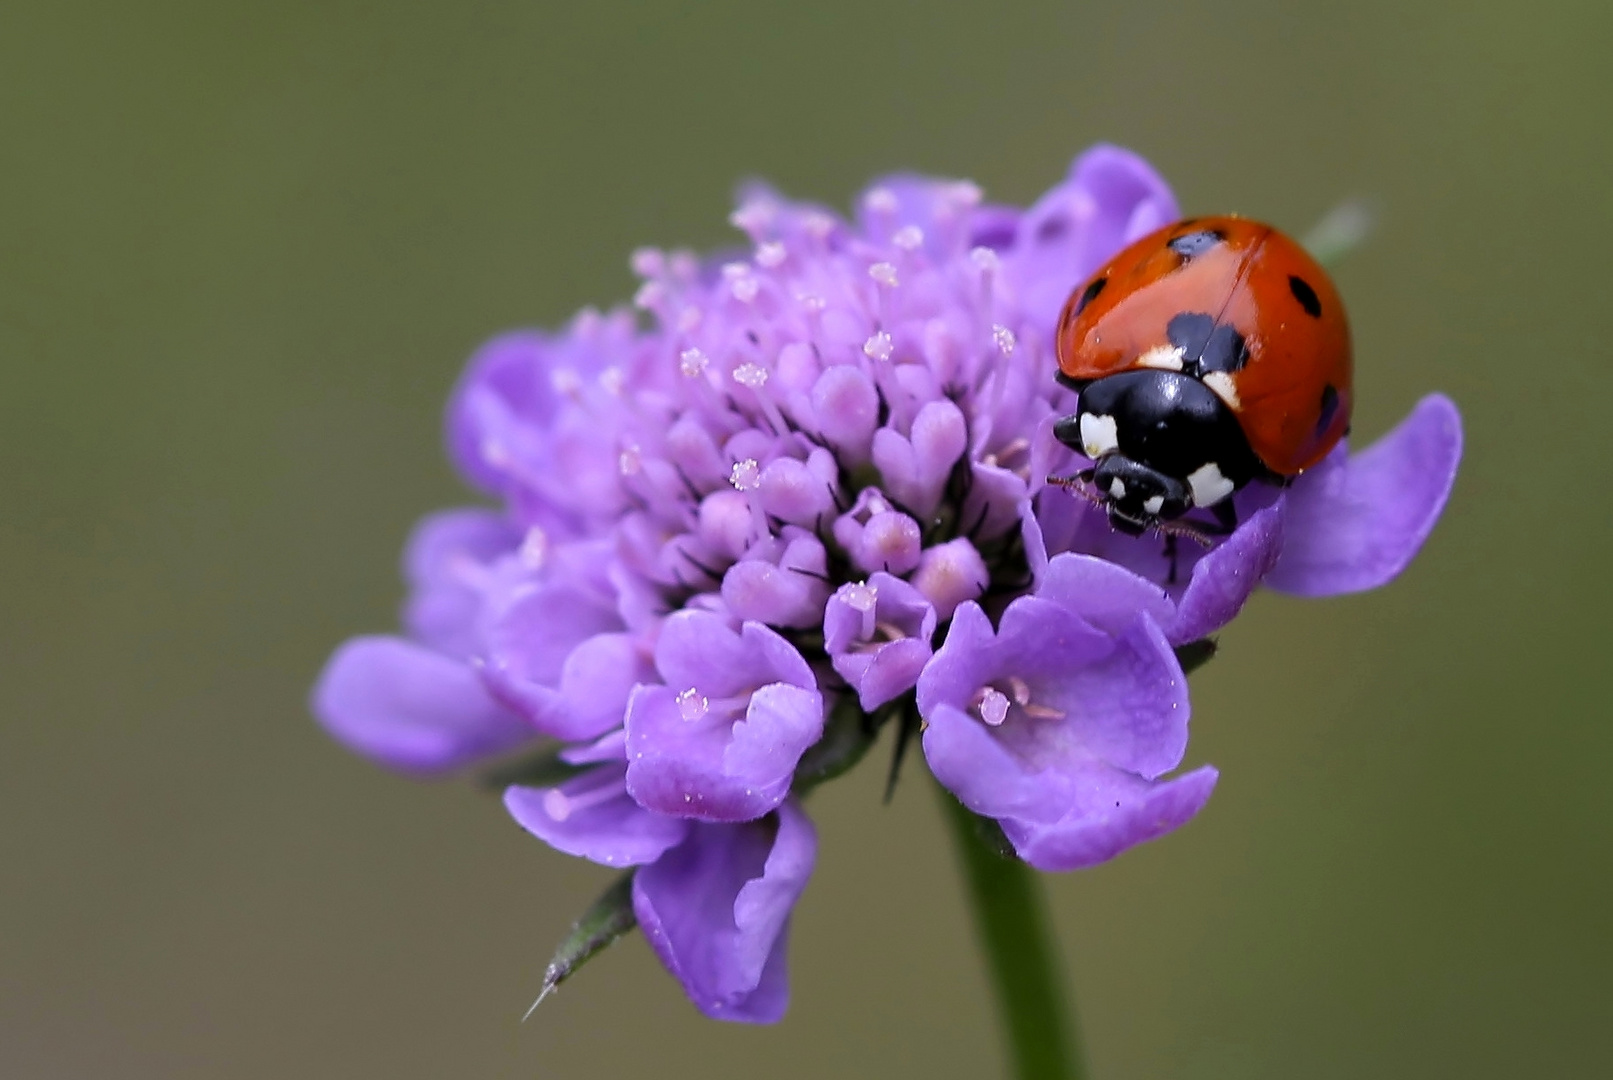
(1161, 443)
(1136, 496)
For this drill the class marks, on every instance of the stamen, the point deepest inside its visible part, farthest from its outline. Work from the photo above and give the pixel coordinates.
(861, 596)
(880, 200)
(534, 549)
(648, 262)
(884, 274)
(693, 362)
(879, 347)
(991, 705)
(818, 225)
(746, 475)
(1004, 339)
(630, 461)
(560, 806)
(909, 238)
(751, 374)
(1021, 690)
(985, 259)
(613, 380)
(692, 705)
(650, 296)
(771, 255)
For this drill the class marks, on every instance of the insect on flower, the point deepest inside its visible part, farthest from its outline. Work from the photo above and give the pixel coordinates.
(1208, 354)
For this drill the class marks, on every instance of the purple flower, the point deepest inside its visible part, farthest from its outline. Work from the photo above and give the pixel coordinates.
(1059, 729)
(877, 633)
(810, 480)
(720, 738)
(714, 900)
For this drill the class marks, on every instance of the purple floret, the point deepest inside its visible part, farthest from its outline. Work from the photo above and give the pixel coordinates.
(810, 481)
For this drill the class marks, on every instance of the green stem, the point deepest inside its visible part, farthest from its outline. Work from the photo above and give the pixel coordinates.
(1017, 937)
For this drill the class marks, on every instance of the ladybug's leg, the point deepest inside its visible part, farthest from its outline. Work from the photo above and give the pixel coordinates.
(1226, 514)
(1170, 553)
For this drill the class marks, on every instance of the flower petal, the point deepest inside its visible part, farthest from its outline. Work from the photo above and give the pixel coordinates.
(410, 708)
(603, 826)
(445, 558)
(1354, 524)
(1223, 579)
(716, 910)
(1120, 811)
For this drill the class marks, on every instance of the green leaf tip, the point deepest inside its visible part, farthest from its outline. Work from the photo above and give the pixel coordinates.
(606, 919)
(1195, 654)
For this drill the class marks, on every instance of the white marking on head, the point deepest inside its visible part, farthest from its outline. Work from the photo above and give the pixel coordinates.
(1221, 383)
(1099, 435)
(1153, 504)
(1117, 488)
(1208, 485)
(1162, 357)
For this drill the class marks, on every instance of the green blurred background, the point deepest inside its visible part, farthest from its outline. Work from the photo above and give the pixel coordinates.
(243, 254)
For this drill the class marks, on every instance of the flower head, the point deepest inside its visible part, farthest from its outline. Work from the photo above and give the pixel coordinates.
(806, 482)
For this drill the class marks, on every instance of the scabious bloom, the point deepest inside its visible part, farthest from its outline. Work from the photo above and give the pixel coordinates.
(799, 493)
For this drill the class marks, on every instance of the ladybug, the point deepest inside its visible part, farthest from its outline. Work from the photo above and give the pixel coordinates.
(1208, 354)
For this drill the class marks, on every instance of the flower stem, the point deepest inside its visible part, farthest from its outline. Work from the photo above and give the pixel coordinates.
(1017, 936)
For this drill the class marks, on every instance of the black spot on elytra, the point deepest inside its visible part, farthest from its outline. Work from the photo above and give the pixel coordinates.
(1205, 346)
(1193, 244)
(1089, 294)
(1330, 407)
(1306, 296)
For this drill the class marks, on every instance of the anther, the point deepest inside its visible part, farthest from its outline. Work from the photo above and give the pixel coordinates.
(884, 274)
(991, 705)
(861, 596)
(534, 548)
(1004, 339)
(746, 475)
(693, 362)
(880, 200)
(879, 347)
(648, 262)
(692, 704)
(751, 374)
(770, 255)
(908, 238)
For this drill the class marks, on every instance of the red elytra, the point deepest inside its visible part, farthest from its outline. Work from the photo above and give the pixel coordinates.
(1283, 367)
